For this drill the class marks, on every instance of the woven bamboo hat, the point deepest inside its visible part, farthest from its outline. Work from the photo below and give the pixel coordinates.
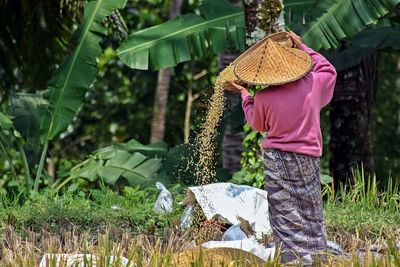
(272, 61)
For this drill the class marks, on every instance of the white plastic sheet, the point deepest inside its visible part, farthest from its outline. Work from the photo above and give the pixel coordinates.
(228, 202)
(234, 233)
(78, 260)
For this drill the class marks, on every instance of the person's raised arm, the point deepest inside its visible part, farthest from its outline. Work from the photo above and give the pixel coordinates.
(253, 110)
(323, 71)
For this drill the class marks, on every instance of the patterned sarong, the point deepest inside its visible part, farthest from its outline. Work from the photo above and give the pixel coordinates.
(295, 206)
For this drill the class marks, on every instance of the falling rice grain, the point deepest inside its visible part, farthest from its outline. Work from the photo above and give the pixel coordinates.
(205, 169)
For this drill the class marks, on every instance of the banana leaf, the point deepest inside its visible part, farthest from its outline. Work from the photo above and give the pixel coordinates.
(9, 137)
(68, 85)
(297, 11)
(24, 111)
(151, 150)
(136, 168)
(334, 20)
(364, 44)
(221, 27)
(186, 37)
(122, 161)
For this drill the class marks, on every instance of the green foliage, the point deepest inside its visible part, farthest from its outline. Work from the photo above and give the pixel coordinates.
(326, 179)
(128, 94)
(5, 122)
(67, 87)
(132, 209)
(385, 126)
(382, 36)
(34, 39)
(185, 37)
(327, 24)
(252, 172)
(136, 163)
(330, 20)
(10, 138)
(325, 130)
(129, 97)
(381, 33)
(297, 11)
(24, 109)
(366, 208)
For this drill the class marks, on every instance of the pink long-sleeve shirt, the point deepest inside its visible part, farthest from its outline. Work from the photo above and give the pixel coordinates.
(290, 113)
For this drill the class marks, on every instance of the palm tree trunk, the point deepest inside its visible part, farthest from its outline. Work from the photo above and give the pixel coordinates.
(350, 117)
(160, 106)
(263, 17)
(161, 95)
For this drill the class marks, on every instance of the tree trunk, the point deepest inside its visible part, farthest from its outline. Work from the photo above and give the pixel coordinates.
(263, 17)
(350, 116)
(160, 106)
(161, 95)
(188, 112)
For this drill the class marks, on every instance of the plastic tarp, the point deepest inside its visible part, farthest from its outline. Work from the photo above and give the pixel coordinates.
(80, 260)
(232, 204)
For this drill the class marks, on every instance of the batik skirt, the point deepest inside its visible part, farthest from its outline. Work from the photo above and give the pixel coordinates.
(295, 206)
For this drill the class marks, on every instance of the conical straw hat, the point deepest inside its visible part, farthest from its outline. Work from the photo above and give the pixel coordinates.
(272, 63)
(280, 37)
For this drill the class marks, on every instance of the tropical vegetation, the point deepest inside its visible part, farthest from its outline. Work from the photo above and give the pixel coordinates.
(82, 145)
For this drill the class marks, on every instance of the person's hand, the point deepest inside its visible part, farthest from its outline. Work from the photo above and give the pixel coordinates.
(295, 38)
(234, 87)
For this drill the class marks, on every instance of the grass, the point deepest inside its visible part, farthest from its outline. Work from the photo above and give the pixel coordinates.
(132, 210)
(363, 213)
(106, 223)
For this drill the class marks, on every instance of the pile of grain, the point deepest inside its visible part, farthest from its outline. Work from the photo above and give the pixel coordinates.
(216, 257)
(205, 170)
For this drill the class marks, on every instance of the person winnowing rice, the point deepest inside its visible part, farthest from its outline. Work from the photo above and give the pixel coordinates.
(299, 83)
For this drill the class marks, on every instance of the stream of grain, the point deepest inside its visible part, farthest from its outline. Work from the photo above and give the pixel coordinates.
(205, 169)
